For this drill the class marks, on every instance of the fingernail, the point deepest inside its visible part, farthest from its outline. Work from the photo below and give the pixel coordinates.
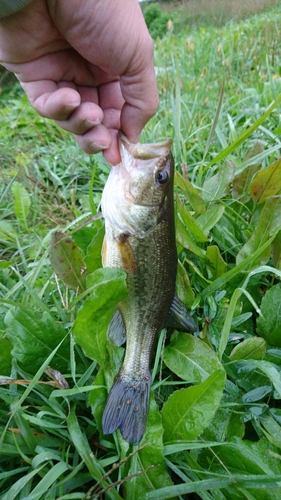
(91, 123)
(97, 147)
(69, 106)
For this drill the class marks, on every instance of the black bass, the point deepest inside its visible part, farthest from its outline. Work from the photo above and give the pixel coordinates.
(138, 208)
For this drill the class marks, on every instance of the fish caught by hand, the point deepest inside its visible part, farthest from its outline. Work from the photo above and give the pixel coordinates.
(138, 208)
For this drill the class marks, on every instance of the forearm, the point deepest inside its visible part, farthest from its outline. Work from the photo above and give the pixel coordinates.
(8, 7)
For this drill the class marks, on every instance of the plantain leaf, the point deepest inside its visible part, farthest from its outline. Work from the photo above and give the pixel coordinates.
(67, 262)
(268, 223)
(34, 337)
(210, 218)
(190, 223)
(190, 358)
(108, 288)
(215, 187)
(185, 239)
(189, 411)
(253, 348)
(216, 264)
(191, 193)
(183, 287)
(269, 324)
(21, 202)
(242, 181)
(266, 183)
(93, 257)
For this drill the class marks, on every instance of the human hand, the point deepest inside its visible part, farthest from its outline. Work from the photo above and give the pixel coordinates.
(87, 65)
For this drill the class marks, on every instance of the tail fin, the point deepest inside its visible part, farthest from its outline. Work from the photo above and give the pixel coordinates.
(127, 407)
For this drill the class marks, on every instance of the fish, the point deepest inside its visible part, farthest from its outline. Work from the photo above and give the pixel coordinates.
(138, 208)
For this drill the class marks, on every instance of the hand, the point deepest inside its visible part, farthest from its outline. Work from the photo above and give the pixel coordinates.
(87, 65)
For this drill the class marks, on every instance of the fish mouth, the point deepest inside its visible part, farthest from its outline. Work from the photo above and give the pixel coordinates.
(130, 152)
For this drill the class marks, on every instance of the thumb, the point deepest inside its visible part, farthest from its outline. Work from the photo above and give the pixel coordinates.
(140, 93)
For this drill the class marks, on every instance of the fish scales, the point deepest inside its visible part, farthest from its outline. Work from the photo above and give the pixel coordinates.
(138, 208)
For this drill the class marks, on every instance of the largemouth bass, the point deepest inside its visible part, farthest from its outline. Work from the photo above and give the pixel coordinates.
(138, 208)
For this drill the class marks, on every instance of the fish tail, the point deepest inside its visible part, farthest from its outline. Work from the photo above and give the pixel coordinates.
(127, 407)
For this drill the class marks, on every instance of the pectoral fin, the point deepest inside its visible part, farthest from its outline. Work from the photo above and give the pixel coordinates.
(116, 332)
(129, 263)
(179, 317)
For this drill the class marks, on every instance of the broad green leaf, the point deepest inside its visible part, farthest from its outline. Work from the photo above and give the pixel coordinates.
(269, 324)
(216, 187)
(84, 236)
(191, 193)
(271, 429)
(190, 358)
(216, 264)
(266, 183)
(244, 458)
(21, 202)
(190, 223)
(151, 455)
(5, 357)
(242, 180)
(34, 336)
(183, 288)
(66, 261)
(251, 348)
(186, 240)
(228, 420)
(210, 218)
(188, 411)
(270, 371)
(93, 257)
(257, 394)
(5, 263)
(89, 330)
(268, 223)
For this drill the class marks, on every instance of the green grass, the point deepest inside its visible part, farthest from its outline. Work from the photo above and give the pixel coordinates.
(214, 423)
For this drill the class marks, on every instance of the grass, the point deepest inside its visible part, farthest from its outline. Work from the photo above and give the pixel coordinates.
(216, 12)
(214, 423)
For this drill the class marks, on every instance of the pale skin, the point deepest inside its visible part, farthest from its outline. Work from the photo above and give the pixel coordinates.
(86, 64)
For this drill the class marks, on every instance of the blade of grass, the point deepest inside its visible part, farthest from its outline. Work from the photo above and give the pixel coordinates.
(227, 151)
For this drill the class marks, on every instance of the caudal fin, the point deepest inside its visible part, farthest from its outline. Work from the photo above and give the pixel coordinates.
(127, 407)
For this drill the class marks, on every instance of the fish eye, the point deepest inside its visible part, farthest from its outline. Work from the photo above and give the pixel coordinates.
(162, 177)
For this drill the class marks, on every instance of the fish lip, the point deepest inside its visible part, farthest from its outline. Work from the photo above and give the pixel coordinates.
(140, 151)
